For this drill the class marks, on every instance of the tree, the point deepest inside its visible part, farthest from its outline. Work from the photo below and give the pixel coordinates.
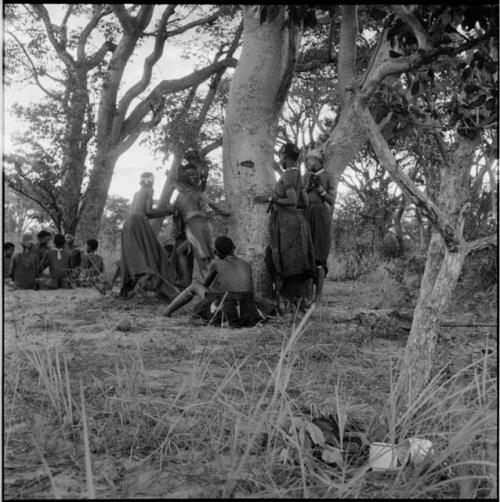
(119, 123)
(21, 214)
(115, 214)
(197, 124)
(113, 124)
(271, 38)
(457, 128)
(68, 104)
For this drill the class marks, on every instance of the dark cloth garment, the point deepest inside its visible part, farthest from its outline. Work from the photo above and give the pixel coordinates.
(238, 309)
(291, 248)
(93, 263)
(319, 219)
(58, 262)
(6, 266)
(290, 243)
(142, 254)
(24, 270)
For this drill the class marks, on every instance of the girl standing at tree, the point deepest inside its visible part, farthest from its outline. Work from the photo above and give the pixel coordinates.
(291, 253)
(320, 193)
(142, 256)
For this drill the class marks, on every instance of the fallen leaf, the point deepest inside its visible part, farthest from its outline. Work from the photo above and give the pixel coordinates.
(284, 455)
(332, 456)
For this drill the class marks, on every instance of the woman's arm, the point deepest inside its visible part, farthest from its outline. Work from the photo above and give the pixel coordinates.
(289, 200)
(217, 207)
(156, 213)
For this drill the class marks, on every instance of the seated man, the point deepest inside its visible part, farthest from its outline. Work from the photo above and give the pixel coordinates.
(8, 251)
(92, 264)
(24, 265)
(42, 246)
(231, 293)
(57, 259)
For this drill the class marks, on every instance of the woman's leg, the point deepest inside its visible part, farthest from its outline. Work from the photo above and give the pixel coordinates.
(185, 297)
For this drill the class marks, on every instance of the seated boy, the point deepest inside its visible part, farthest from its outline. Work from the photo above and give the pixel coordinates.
(74, 251)
(57, 259)
(230, 280)
(8, 251)
(42, 246)
(92, 264)
(24, 265)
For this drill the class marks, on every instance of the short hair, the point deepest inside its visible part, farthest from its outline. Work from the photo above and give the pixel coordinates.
(224, 246)
(290, 150)
(43, 233)
(8, 245)
(92, 244)
(59, 240)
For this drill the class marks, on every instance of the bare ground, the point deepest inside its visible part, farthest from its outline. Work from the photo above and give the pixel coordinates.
(152, 394)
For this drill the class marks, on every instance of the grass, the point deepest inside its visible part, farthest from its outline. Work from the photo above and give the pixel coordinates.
(207, 412)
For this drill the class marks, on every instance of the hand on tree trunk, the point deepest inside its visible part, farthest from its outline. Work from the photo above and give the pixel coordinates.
(262, 198)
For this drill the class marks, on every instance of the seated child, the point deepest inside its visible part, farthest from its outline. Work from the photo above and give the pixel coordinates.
(42, 246)
(8, 251)
(231, 293)
(24, 266)
(92, 264)
(74, 251)
(57, 259)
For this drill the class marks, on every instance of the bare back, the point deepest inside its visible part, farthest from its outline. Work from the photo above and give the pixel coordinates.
(233, 275)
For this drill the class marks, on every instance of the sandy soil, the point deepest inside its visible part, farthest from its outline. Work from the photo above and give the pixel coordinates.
(82, 324)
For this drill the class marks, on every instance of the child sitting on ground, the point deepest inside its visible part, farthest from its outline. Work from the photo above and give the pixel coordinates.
(24, 266)
(92, 264)
(8, 251)
(58, 261)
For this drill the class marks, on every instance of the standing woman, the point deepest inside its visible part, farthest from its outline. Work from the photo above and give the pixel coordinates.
(320, 193)
(142, 256)
(291, 253)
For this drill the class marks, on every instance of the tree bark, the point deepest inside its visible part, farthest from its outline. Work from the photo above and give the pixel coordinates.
(258, 90)
(75, 150)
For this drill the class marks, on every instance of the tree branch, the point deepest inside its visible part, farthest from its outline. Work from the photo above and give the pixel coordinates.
(476, 245)
(390, 66)
(171, 86)
(125, 19)
(419, 198)
(49, 28)
(33, 69)
(211, 147)
(416, 26)
(347, 51)
(149, 62)
(193, 24)
(100, 11)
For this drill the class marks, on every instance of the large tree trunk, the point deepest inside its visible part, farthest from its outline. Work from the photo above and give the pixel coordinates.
(75, 141)
(167, 191)
(96, 196)
(440, 278)
(258, 90)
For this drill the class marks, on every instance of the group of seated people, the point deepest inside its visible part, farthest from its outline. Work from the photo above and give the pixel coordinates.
(299, 232)
(40, 266)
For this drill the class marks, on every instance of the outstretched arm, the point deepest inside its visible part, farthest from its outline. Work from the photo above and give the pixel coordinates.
(215, 206)
(289, 200)
(157, 213)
